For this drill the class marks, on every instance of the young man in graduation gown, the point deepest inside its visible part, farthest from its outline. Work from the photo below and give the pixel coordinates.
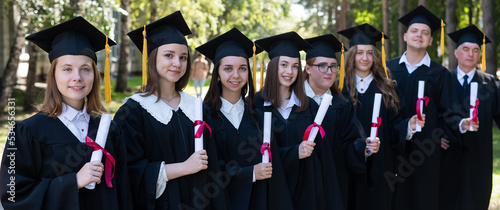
(466, 166)
(418, 166)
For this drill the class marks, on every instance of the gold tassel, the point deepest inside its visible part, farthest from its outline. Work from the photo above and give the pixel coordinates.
(254, 67)
(107, 76)
(262, 72)
(483, 60)
(144, 61)
(383, 57)
(442, 37)
(342, 70)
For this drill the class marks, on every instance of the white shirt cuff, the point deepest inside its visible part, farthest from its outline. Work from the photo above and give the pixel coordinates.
(161, 184)
(460, 126)
(410, 132)
(367, 154)
(253, 176)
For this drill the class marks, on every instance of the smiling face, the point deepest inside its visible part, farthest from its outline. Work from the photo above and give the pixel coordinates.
(418, 36)
(288, 69)
(74, 77)
(171, 62)
(233, 74)
(467, 55)
(363, 59)
(321, 82)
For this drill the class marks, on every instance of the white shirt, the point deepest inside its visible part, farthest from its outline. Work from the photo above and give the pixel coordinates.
(362, 84)
(460, 77)
(411, 68)
(76, 121)
(310, 93)
(285, 111)
(233, 112)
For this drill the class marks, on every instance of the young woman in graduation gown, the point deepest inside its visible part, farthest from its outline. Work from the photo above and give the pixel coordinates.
(158, 125)
(237, 128)
(365, 76)
(46, 162)
(342, 128)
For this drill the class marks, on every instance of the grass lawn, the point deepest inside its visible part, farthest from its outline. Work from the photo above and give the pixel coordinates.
(135, 82)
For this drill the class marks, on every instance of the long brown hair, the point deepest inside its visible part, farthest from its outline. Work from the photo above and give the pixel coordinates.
(52, 103)
(153, 86)
(271, 90)
(384, 84)
(334, 89)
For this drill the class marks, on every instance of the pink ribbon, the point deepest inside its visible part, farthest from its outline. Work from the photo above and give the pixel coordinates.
(475, 112)
(426, 100)
(309, 128)
(199, 132)
(377, 125)
(110, 161)
(267, 147)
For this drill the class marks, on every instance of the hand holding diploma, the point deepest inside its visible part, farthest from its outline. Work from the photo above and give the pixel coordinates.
(469, 123)
(99, 144)
(263, 171)
(306, 148)
(420, 103)
(313, 129)
(91, 172)
(414, 121)
(474, 105)
(265, 150)
(372, 146)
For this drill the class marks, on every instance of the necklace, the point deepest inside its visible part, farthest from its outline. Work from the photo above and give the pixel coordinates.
(170, 99)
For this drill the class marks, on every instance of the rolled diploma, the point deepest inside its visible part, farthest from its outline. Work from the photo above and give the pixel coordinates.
(421, 85)
(323, 107)
(198, 115)
(473, 97)
(102, 134)
(376, 112)
(267, 135)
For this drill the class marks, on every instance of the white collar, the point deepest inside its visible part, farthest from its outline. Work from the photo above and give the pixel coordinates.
(160, 110)
(293, 101)
(425, 61)
(311, 94)
(368, 79)
(227, 106)
(461, 74)
(71, 114)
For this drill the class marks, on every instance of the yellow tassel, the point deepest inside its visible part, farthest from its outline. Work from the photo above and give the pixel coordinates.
(383, 57)
(342, 70)
(107, 77)
(262, 72)
(254, 67)
(144, 61)
(483, 60)
(442, 37)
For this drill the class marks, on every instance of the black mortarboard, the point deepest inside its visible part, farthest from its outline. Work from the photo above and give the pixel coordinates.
(170, 29)
(73, 37)
(469, 34)
(363, 35)
(286, 44)
(421, 15)
(325, 46)
(231, 43)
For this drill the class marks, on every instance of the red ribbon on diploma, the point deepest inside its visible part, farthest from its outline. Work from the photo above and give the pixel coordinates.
(426, 99)
(199, 132)
(475, 112)
(377, 125)
(267, 147)
(309, 128)
(110, 161)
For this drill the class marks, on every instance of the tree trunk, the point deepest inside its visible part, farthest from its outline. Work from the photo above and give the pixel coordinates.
(9, 76)
(385, 17)
(29, 96)
(153, 10)
(401, 27)
(422, 2)
(343, 21)
(489, 30)
(330, 9)
(451, 26)
(471, 11)
(337, 16)
(124, 61)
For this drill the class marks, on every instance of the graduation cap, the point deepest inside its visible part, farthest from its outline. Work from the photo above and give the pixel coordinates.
(325, 46)
(231, 43)
(76, 37)
(286, 44)
(167, 30)
(474, 35)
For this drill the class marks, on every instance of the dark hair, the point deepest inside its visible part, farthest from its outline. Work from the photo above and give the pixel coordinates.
(334, 89)
(271, 90)
(384, 84)
(153, 85)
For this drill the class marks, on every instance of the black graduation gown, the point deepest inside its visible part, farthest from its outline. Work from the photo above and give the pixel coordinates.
(466, 174)
(44, 159)
(238, 151)
(149, 142)
(343, 135)
(305, 176)
(418, 167)
(377, 193)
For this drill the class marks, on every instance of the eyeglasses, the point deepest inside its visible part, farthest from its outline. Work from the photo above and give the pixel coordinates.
(323, 67)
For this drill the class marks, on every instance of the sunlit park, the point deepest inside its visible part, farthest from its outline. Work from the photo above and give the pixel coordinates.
(24, 66)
